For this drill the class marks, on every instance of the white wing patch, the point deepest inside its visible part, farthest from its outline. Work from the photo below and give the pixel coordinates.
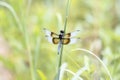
(47, 32)
(74, 40)
(74, 33)
(49, 39)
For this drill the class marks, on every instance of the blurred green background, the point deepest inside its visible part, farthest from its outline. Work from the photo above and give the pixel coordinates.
(24, 49)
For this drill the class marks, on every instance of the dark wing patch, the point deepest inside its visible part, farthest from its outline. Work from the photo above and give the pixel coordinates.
(67, 35)
(55, 40)
(65, 41)
(71, 34)
(54, 34)
(49, 33)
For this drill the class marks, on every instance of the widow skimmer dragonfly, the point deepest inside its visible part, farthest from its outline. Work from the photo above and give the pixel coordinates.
(62, 38)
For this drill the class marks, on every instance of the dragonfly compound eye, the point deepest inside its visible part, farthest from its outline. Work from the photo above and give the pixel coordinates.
(61, 31)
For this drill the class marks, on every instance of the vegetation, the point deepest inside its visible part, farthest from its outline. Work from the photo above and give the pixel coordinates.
(25, 54)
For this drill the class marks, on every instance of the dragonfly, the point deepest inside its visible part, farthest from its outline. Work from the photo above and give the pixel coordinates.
(61, 38)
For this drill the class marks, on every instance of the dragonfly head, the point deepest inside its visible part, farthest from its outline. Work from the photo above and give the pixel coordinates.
(61, 31)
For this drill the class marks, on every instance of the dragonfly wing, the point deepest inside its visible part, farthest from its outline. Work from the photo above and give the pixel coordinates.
(54, 40)
(72, 34)
(69, 40)
(49, 33)
(49, 39)
(65, 41)
(74, 40)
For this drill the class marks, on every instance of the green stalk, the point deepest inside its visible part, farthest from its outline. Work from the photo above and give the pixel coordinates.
(10, 8)
(61, 51)
(27, 41)
(36, 54)
(29, 55)
(23, 30)
(66, 17)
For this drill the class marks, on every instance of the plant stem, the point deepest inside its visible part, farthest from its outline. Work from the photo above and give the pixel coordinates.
(24, 32)
(27, 39)
(61, 51)
(10, 8)
(66, 17)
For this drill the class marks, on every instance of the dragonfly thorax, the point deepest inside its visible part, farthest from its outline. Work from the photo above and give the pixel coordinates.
(60, 36)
